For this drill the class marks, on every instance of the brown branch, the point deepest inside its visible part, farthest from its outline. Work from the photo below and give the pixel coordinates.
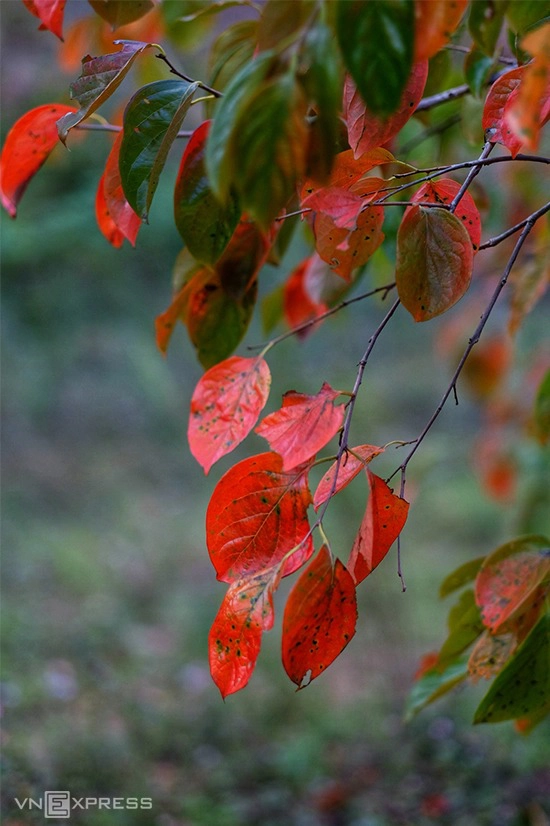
(528, 226)
(475, 170)
(492, 242)
(176, 72)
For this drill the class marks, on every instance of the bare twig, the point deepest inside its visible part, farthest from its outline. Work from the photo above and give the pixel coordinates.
(475, 170)
(111, 127)
(492, 242)
(443, 97)
(306, 324)
(528, 226)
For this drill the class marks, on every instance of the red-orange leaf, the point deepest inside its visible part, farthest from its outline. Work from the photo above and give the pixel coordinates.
(339, 204)
(116, 218)
(382, 523)
(225, 407)
(367, 131)
(299, 305)
(527, 111)
(434, 261)
(319, 619)
(50, 13)
(493, 120)
(195, 277)
(510, 578)
(256, 516)
(435, 21)
(27, 146)
(443, 192)
(343, 249)
(236, 634)
(352, 463)
(303, 425)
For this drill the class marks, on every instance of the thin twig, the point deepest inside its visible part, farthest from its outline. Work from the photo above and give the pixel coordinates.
(177, 72)
(443, 97)
(306, 324)
(528, 226)
(492, 242)
(111, 127)
(475, 170)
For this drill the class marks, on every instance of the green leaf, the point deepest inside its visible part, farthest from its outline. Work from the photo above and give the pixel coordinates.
(205, 225)
(99, 79)
(433, 684)
(281, 22)
(151, 123)
(434, 261)
(268, 146)
(465, 626)
(485, 22)
(215, 321)
(477, 69)
(198, 8)
(377, 44)
(522, 688)
(319, 73)
(120, 12)
(231, 51)
(523, 15)
(221, 162)
(461, 576)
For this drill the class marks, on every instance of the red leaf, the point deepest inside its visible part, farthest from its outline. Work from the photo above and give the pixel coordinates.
(256, 517)
(303, 425)
(27, 146)
(319, 619)
(367, 131)
(382, 523)
(350, 466)
(434, 261)
(116, 218)
(50, 13)
(443, 192)
(298, 304)
(177, 311)
(510, 578)
(493, 111)
(225, 407)
(339, 204)
(236, 634)
(435, 21)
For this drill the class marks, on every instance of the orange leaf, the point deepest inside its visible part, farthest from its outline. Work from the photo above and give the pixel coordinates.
(343, 249)
(196, 277)
(50, 13)
(225, 407)
(435, 21)
(443, 192)
(319, 619)
(350, 466)
(303, 425)
(236, 634)
(490, 654)
(493, 120)
(28, 145)
(382, 523)
(347, 170)
(367, 131)
(530, 108)
(115, 216)
(257, 516)
(434, 261)
(510, 578)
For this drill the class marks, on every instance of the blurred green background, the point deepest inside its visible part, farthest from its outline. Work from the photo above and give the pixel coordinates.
(108, 590)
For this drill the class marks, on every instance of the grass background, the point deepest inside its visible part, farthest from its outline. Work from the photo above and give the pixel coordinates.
(108, 591)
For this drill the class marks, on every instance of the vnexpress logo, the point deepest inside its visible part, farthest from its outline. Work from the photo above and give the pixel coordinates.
(60, 805)
(57, 804)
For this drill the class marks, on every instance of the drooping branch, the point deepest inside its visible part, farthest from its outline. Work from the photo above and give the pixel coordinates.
(528, 226)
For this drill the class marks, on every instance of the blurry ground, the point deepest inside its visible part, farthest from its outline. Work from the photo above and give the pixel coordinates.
(108, 591)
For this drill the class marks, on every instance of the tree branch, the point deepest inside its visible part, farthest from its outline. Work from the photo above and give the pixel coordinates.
(492, 242)
(475, 170)
(528, 226)
(176, 72)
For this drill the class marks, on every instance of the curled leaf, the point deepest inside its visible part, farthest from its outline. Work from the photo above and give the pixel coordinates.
(28, 145)
(351, 465)
(116, 218)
